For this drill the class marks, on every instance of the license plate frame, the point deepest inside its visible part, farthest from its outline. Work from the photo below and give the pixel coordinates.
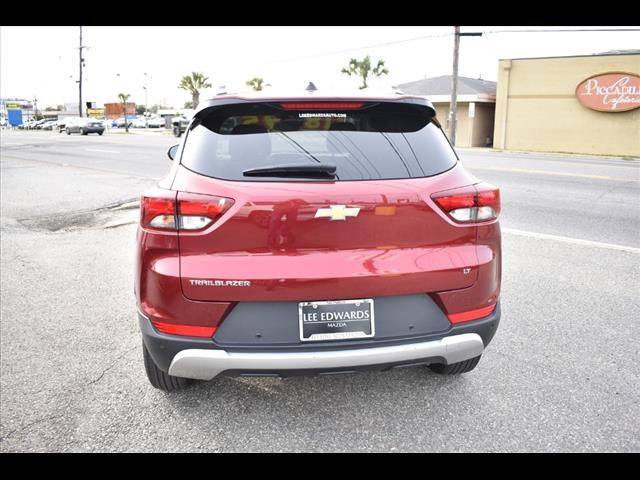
(323, 327)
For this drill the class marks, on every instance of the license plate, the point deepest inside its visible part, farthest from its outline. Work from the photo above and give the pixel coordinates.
(336, 320)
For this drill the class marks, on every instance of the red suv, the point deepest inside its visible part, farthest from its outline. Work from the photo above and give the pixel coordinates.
(308, 234)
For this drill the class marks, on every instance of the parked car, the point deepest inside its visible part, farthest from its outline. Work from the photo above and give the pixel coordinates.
(37, 125)
(49, 125)
(315, 235)
(156, 122)
(62, 124)
(180, 122)
(139, 122)
(84, 126)
(119, 122)
(179, 125)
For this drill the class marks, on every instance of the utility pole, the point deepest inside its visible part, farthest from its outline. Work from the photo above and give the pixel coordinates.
(80, 77)
(453, 108)
(146, 105)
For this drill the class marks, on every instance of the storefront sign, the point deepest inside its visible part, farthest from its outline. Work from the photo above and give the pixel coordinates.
(95, 112)
(610, 92)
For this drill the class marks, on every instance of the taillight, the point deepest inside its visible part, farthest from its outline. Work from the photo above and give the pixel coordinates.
(193, 211)
(185, 330)
(158, 212)
(471, 314)
(474, 203)
(199, 211)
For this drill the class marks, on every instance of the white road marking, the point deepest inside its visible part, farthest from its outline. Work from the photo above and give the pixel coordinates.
(547, 172)
(575, 241)
(101, 151)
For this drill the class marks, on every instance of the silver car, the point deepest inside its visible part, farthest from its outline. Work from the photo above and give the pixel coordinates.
(84, 126)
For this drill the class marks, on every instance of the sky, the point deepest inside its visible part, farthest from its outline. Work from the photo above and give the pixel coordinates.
(42, 62)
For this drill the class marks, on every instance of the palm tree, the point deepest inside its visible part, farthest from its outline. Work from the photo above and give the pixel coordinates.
(123, 101)
(193, 84)
(256, 83)
(362, 68)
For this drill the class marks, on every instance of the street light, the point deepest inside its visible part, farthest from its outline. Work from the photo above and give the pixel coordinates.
(453, 108)
(80, 75)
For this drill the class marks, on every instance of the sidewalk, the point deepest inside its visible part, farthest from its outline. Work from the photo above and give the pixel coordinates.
(490, 150)
(139, 131)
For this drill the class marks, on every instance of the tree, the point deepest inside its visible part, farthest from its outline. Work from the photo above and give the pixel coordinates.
(140, 109)
(188, 105)
(123, 101)
(362, 68)
(255, 83)
(193, 84)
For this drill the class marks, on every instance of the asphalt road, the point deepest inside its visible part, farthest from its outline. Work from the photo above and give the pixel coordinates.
(561, 374)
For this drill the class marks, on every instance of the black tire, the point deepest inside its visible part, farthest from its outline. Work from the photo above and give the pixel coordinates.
(68, 132)
(160, 379)
(100, 133)
(455, 368)
(176, 130)
(83, 132)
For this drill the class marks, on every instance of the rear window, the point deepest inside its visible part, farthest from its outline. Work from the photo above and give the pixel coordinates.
(376, 141)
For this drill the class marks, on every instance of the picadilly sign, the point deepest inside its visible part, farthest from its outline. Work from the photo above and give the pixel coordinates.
(610, 92)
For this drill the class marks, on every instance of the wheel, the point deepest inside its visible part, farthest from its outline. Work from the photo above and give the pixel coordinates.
(455, 368)
(176, 130)
(100, 133)
(83, 132)
(160, 379)
(68, 132)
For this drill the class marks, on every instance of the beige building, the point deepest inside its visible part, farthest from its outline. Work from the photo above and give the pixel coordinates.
(476, 104)
(586, 104)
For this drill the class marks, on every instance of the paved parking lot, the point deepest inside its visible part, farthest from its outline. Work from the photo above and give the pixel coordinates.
(561, 374)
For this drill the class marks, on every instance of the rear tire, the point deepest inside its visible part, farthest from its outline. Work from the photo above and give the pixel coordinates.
(160, 379)
(455, 368)
(176, 131)
(68, 132)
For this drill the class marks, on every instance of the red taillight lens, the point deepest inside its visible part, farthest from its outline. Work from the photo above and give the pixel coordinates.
(184, 330)
(193, 211)
(321, 105)
(158, 212)
(473, 203)
(471, 314)
(199, 211)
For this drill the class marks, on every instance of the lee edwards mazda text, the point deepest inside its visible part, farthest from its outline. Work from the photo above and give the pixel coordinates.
(314, 234)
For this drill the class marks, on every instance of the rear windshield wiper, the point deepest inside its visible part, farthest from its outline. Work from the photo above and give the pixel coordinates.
(292, 170)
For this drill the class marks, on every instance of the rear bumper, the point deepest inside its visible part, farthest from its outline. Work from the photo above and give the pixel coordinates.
(202, 358)
(206, 364)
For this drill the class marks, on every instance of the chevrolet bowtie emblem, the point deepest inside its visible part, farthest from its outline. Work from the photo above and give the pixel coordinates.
(337, 212)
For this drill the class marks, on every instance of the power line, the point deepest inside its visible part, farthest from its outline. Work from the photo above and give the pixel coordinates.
(486, 32)
(551, 30)
(336, 52)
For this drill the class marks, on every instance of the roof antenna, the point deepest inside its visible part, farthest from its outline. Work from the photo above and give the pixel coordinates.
(311, 87)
